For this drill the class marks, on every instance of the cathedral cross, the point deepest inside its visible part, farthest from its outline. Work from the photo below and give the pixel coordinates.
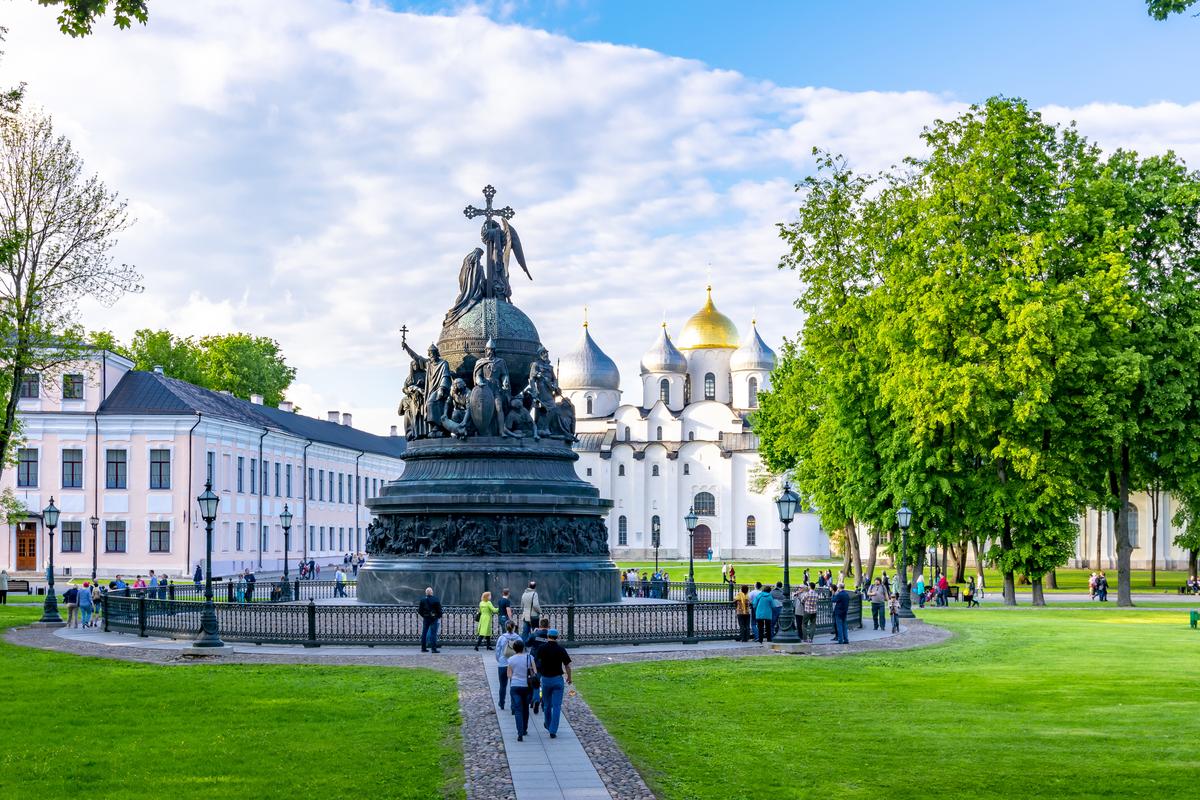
(487, 211)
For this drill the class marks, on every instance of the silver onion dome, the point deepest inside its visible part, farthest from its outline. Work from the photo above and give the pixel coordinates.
(753, 354)
(663, 356)
(588, 367)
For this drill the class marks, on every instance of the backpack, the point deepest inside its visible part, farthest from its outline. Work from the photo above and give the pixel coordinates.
(509, 652)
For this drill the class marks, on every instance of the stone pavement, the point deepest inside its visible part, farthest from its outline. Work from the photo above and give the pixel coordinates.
(543, 768)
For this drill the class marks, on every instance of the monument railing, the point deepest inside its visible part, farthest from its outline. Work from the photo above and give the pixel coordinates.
(309, 624)
(264, 590)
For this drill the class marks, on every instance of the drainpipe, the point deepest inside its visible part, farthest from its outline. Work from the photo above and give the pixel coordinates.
(96, 449)
(357, 497)
(304, 496)
(187, 505)
(262, 490)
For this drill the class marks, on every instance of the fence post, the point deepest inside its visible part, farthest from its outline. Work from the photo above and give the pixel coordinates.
(296, 594)
(229, 592)
(691, 623)
(312, 624)
(141, 615)
(570, 619)
(104, 607)
(171, 591)
(731, 591)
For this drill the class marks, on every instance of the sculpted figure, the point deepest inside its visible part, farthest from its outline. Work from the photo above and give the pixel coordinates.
(437, 386)
(562, 423)
(517, 423)
(543, 386)
(491, 373)
(412, 407)
(458, 419)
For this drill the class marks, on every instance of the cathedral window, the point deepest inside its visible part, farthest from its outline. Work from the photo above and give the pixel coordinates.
(589, 406)
(754, 393)
(710, 386)
(687, 469)
(751, 530)
(705, 504)
(664, 391)
(620, 470)
(622, 531)
(658, 434)
(691, 436)
(654, 471)
(628, 433)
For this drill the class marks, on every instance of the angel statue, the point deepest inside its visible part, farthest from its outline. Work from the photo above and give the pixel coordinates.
(484, 272)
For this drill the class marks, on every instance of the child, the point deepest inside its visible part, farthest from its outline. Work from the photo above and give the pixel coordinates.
(894, 607)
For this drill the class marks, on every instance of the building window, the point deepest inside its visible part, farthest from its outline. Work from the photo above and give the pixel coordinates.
(310, 484)
(210, 467)
(753, 393)
(1132, 524)
(287, 474)
(658, 434)
(72, 469)
(710, 386)
(628, 433)
(114, 535)
(241, 474)
(589, 472)
(30, 383)
(116, 469)
(654, 471)
(72, 387)
(687, 469)
(620, 470)
(160, 469)
(254, 476)
(27, 467)
(265, 544)
(341, 538)
(751, 531)
(691, 436)
(237, 543)
(72, 537)
(655, 531)
(589, 406)
(262, 487)
(278, 486)
(312, 537)
(321, 541)
(331, 500)
(705, 504)
(341, 496)
(160, 537)
(321, 486)
(622, 531)
(664, 391)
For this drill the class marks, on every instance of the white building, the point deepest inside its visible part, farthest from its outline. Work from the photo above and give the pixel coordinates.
(685, 443)
(133, 449)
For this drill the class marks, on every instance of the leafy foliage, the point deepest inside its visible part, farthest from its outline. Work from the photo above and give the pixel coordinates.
(76, 17)
(1161, 9)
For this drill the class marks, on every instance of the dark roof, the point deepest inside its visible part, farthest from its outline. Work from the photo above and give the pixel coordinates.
(151, 393)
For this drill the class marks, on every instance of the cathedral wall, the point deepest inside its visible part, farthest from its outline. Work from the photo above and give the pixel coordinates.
(716, 361)
(652, 389)
(741, 387)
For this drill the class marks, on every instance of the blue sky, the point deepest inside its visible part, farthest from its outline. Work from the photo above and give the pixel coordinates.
(1049, 51)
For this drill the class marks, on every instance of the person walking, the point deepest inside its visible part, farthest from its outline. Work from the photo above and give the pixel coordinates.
(522, 673)
(877, 594)
(841, 607)
(531, 609)
(764, 611)
(506, 649)
(240, 588)
(919, 588)
(339, 582)
(894, 608)
(71, 598)
(85, 605)
(969, 592)
(487, 612)
(198, 577)
(505, 607)
(741, 607)
(1102, 587)
(97, 602)
(809, 602)
(943, 591)
(1092, 586)
(3, 587)
(554, 666)
(430, 609)
(753, 595)
(776, 607)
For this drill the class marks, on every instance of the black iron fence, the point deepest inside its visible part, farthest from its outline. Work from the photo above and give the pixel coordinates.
(261, 591)
(356, 624)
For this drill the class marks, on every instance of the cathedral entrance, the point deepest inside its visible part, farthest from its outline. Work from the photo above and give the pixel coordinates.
(26, 546)
(701, 541)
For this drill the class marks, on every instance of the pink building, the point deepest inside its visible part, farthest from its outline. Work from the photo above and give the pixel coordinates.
(124, 454)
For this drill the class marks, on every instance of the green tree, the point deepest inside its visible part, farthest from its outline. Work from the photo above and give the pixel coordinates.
(179, 356)
(77, 17)
(245, 365)
(1161, 9)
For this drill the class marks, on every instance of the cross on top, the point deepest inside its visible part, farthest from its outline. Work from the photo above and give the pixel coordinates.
(489, 192)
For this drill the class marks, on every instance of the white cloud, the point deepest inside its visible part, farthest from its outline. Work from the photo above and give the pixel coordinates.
(298, 170)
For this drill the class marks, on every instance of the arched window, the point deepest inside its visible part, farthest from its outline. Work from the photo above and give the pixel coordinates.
(687, 469)
(658, 434)
(628, 433)
(620, 470)
(705, 504)
(655, 531)
(691, 436)
(710, 386)
(664, 391)
(751, 530)
(622, 531)
(753, 393)
(654, 471)
(589, 406)
(1132, 512)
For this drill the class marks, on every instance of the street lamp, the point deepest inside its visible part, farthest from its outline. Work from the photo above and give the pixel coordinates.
(904, 517)
(656, 535)
(285, 519)
(50, 615)
(691, 521)
(787, 504)
(209, 634)
(95, 521)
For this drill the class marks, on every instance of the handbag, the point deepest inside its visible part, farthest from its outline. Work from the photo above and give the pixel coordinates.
(477, 616)
(532, 678)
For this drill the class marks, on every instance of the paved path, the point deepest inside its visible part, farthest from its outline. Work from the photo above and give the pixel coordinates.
(543, 768)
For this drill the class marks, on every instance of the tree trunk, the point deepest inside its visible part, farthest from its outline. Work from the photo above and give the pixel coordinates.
(978, 555)
(1010, 585)
(1052, 579)
(872, 556)
(1154, 499)
(1039, 599)
(960, 574)
(855, 551)
(1124, 546)
(1193, 559)
(9, 425)
(847, 551)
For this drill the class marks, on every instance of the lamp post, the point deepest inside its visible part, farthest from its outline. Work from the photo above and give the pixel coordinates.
(656, 535)
(209, 634)
(904, 517)
(285, 519)
(787, 504)
(50, 615)
(690, 521)
(95, 522)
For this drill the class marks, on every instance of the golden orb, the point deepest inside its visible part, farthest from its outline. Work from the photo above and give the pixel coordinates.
(708, 328)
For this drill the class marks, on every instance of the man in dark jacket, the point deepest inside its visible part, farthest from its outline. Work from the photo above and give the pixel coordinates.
(841, 607)
(430, 609)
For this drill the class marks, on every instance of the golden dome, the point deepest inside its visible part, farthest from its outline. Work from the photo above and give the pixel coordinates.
(708, 328)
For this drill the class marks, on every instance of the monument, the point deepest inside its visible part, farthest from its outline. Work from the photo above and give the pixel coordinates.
(489, 497)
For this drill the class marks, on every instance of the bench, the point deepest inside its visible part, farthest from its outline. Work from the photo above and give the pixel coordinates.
(19, 586)
(952, 593)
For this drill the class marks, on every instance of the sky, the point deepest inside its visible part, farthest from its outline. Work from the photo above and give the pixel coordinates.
(298, 168)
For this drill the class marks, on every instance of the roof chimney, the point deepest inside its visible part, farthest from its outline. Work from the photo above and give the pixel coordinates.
(286, 405)
(394, 432)
(257, 399)
(347, 420)
(334, 416)
(158, 370)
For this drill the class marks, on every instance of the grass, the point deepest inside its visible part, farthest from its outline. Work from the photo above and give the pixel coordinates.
(1020, 704)
(1069, 580)
(232, 730)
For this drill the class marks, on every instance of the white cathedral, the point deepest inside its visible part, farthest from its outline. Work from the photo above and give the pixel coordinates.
(684, 444)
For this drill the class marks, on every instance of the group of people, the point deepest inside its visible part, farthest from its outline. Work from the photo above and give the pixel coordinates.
(353, 561)
(1191, 585)
(534, 671)
(82, 603)
(1098, 586)
(656, 585)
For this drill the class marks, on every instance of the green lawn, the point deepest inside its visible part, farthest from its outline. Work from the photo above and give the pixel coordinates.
(1021, 704)
(1069, 580)
(236, 731)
